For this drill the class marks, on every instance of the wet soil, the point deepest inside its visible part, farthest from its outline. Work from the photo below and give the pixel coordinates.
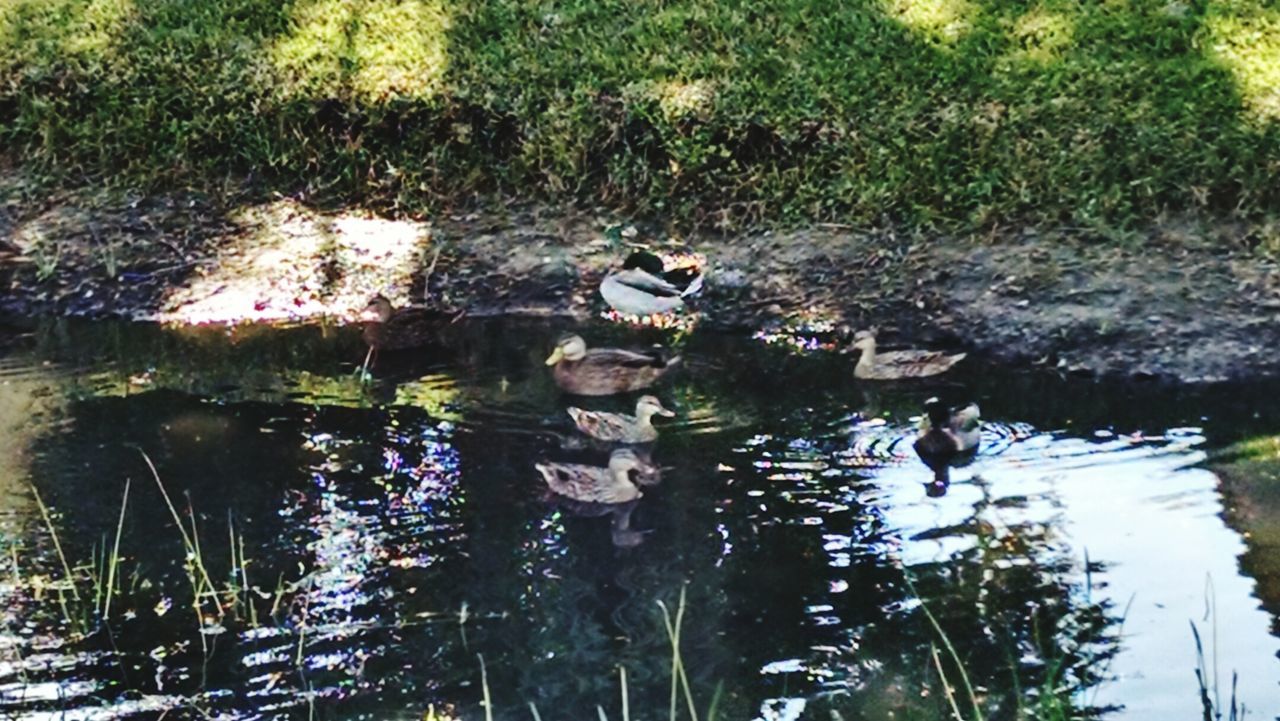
(1181, 302)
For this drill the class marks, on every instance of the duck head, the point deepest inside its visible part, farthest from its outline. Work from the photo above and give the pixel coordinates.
(644, 260)
(938, 413)
(570, 348)
(649, 406)
(378, 310)
(864, 340)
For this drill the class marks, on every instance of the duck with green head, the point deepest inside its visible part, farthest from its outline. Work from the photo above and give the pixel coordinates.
(947, 436)
(644, 286)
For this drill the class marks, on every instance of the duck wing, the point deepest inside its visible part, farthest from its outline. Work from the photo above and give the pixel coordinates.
(604, 426)
(628, 359)
(409, 328)
(648, 283)
(916, 363)
(967, 418)
(966, 426)
(687, 280)
(639, 293)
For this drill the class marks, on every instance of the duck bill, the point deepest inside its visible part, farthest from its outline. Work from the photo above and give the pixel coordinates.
(665, 413)
(556, 356)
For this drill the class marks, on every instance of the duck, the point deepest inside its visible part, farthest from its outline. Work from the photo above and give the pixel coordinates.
(619, 482)
(604, 371)
(947, 435)
(898, 364)
(620, 427)
(389, 328)
(645, 287)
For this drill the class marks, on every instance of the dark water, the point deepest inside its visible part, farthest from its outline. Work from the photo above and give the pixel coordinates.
(362, 548)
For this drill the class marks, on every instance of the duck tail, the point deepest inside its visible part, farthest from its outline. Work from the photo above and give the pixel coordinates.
(694, 287)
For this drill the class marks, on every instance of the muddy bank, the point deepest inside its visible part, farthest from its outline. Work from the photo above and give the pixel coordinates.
(1179, 303)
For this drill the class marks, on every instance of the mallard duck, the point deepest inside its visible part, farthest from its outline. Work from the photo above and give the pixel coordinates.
(620, 427)
(898, 364)
(604, 371)
(609, 485)
(947, 435)
(644, 286)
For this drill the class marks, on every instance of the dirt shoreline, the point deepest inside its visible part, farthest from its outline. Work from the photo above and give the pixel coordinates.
(1180, 303)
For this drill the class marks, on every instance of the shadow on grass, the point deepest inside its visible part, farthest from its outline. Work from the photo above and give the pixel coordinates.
(955, 111)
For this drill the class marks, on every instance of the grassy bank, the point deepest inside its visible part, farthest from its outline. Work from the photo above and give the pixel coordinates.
(963, 112)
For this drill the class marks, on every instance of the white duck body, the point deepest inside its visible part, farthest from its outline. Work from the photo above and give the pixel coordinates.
(644, 286)
(635, 292)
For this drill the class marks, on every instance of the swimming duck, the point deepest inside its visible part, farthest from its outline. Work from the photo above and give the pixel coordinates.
(946, 435)
(610, 485)
(898, 364)
(604, 371)
(644, 286)
(619, 427)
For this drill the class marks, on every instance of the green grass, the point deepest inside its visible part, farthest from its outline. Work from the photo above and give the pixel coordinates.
(959, 113)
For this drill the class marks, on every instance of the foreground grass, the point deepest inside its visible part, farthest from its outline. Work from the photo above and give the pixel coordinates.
(965, 112)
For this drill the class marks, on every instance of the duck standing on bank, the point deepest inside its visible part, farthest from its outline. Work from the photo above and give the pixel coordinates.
(895, 365)
(620, 427)
(604, 371)
(644, 286)
(946, 436)
(389, 328)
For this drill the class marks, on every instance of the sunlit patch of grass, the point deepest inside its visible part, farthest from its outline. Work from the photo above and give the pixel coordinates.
(1255, 449)
(684, 99)
(940, 20)
(101, 25)
(1247, 40)
(373, 50)
(1041, 35)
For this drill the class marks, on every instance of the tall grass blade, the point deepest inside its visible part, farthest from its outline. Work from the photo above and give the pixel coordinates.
(951, 650)
(484, 685)
(626, 702)
(946, 686)
(186, 539)
(115, 553)
(57, 544)
(678, 676)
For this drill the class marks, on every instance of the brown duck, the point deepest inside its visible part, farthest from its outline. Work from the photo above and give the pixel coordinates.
(604, 371)
(898, 364)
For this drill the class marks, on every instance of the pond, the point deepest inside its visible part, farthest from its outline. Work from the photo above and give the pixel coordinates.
(311, 545)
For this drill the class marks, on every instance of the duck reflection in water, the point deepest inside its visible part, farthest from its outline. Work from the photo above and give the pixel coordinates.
(947, 437)
(584, 490)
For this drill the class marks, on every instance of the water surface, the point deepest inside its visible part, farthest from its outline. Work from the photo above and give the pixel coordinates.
(361, 547)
